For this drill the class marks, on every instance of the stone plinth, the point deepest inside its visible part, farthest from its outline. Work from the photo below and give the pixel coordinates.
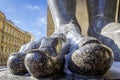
(113, 73)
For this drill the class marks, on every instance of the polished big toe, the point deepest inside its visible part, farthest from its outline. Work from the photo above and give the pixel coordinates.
(91, 59)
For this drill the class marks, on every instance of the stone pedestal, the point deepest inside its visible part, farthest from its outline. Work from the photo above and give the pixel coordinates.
(113, 73)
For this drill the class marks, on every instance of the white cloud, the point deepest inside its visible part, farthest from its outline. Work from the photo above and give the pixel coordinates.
(38, 33)
(30, 31)
(32, 7)
(42, 21)
(17, 21)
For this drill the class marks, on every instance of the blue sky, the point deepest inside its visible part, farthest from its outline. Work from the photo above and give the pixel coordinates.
(29, 15)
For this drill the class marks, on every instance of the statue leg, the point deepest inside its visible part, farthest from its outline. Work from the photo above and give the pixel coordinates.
(102, 24)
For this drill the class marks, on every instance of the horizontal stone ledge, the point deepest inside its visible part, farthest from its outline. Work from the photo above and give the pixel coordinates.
(113, 73)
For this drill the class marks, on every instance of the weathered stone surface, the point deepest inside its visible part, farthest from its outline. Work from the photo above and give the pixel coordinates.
(16, 63)
(48, 60)
(103, 30)
(101, 14)
(113, 73)
(16, 60)
(91, 58)
(40, 65)
(102, 7)
(63, 14)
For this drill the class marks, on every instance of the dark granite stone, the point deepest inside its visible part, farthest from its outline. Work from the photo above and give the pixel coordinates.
(91, 59)
(95, 30)
(40, 65)
(101, 13)
(105, 8)
(16, 63)
(46, 61)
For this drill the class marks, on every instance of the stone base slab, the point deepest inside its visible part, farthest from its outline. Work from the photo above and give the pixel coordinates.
(113, 73)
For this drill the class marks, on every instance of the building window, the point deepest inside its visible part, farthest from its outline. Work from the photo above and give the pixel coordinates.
(6, 28)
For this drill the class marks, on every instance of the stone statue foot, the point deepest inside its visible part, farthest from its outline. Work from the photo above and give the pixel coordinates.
(15, 61)
(107, 32)
(87, 55)
(91, 58)
(48, 60)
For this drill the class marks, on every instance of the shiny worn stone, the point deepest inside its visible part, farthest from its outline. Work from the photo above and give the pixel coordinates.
(101, 14)
(91, 60)
(40, 65)
(90, 57)
(48, 60)
(16, 64)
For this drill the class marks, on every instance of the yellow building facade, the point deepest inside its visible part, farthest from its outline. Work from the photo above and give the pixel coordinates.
(11, 38)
